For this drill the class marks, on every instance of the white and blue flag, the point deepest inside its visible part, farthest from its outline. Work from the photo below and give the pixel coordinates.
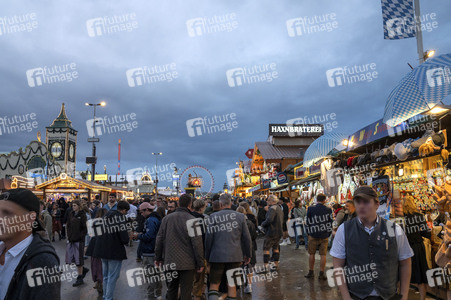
(399, 19)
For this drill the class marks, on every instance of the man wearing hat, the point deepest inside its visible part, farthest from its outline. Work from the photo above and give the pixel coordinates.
(370, 253)
(148, 238)
(22, 249)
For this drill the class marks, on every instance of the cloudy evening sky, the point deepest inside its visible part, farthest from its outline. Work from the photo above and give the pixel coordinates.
(201, 87)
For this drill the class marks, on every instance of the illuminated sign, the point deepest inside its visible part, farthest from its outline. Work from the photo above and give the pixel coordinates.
(296, 130)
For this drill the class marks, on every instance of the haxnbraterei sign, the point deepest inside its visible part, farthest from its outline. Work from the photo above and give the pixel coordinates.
(297, 130)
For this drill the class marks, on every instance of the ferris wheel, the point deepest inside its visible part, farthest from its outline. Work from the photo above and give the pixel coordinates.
(198, 177)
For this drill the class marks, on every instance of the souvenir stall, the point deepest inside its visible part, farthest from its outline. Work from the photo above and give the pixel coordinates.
(308, 182)
(404, 158)
(411, 160)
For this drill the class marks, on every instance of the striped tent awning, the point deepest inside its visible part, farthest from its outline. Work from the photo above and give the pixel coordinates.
(321, 147)
(419, 91)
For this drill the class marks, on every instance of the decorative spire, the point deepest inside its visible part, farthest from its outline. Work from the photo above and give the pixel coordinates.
(62, 115)
(62, 121)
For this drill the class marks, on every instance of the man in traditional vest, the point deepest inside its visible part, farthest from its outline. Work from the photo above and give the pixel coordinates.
(370, 254)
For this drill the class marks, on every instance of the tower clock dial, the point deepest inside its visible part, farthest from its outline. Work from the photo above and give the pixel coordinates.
(56, 149)
(71, 151)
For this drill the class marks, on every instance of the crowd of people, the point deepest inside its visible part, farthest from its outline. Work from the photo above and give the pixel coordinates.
(199, 241)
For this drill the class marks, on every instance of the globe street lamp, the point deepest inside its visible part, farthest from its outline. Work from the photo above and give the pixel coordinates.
(93, 139)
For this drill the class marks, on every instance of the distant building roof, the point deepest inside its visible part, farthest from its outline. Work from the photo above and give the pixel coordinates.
(268, 151)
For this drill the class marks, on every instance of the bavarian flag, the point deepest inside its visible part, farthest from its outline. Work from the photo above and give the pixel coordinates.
(399, 19)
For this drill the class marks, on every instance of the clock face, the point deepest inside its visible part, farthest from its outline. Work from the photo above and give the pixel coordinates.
(71, 151)
(56, 150)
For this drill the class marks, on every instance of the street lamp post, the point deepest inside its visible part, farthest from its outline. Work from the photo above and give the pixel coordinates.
(156, 172)
(93, 139)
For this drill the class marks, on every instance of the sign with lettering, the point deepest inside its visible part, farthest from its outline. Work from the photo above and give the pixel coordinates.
(296, 130)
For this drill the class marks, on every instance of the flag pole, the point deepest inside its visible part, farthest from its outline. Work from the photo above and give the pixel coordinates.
(419, 33)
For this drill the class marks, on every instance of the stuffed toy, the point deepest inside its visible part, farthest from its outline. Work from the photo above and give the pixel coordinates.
(443, 198)
(428, 148)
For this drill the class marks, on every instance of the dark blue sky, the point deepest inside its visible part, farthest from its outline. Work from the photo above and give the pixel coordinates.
(159, 36)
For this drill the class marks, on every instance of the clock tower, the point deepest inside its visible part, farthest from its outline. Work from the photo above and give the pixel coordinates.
(61, 140)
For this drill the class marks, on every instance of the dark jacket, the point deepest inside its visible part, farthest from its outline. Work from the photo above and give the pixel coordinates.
(261, 215)
(39, 254)
(94, 212)
(76, 226)
(285, 211)
(253, 232)
(252, 218)
(110, 244)
(416, 228)
(140, 223)
(91, 246)
(175, 245)
(319, 221)
(273, 223)
(66, 214)
(149, 237)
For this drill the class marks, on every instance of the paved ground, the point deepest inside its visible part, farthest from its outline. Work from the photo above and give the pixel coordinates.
(290, 283)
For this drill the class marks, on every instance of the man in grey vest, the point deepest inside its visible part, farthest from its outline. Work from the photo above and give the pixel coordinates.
(370, 254)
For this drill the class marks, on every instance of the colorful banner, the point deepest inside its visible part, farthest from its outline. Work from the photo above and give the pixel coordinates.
(373, 132)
